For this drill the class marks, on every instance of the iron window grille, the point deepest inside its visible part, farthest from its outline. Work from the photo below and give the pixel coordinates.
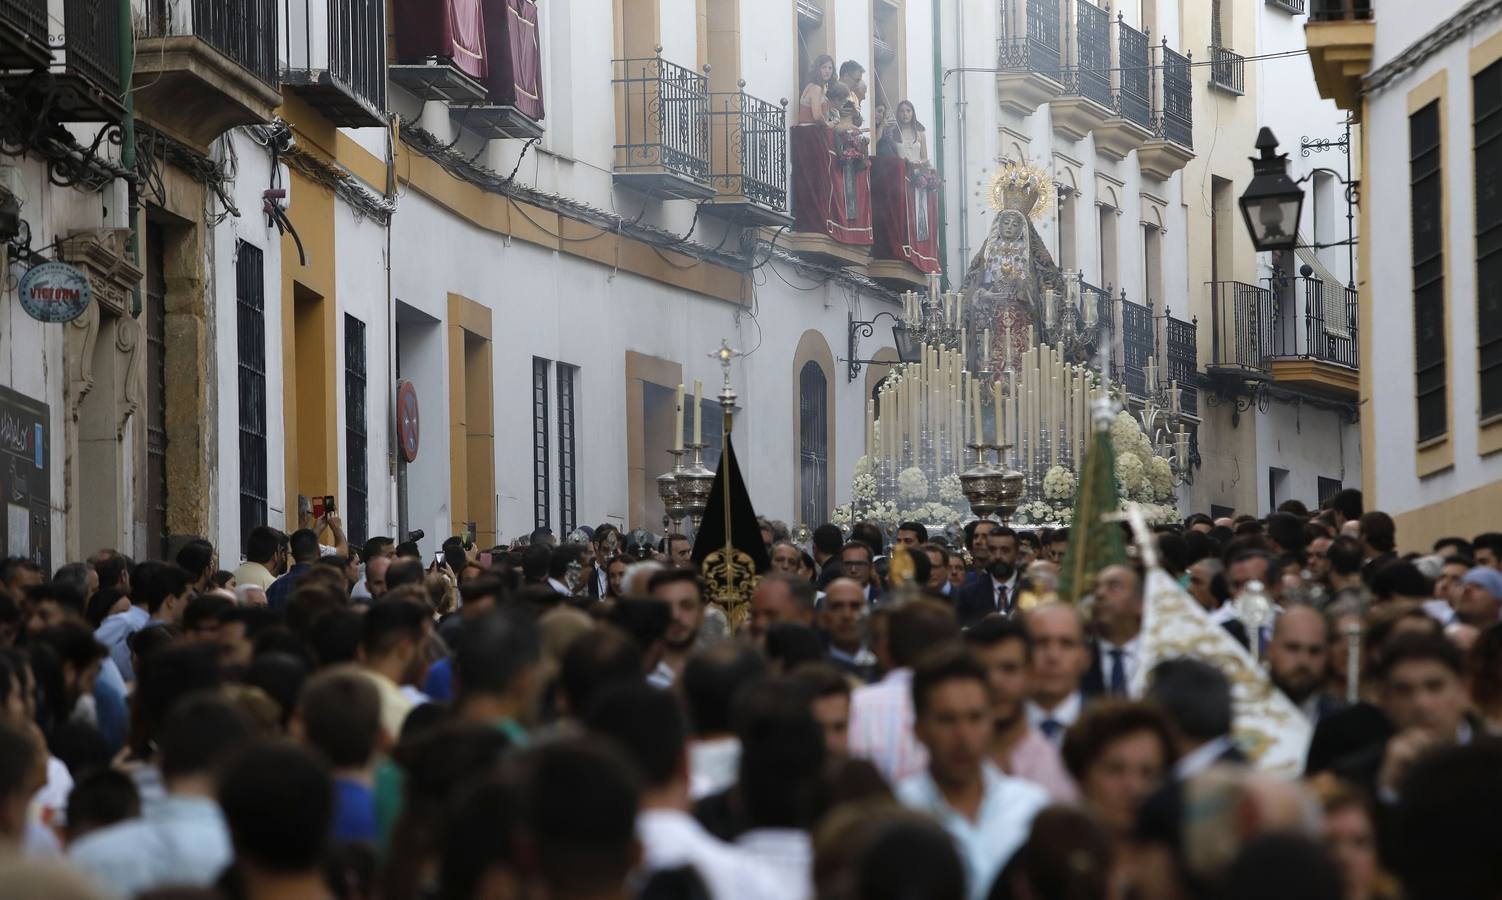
(1340, 10)
(1182, 359)
(664, 117)
(1487, 94)
(1090, 76)
(1031, 39)
(92, 41)
(1239, 317)
(1227, 70)
(1135, 74)
(754, 148)
(541, 495)
(1425, 202)
(1291, 6)
(356, 439)
(250, 338)
(813, 449)
(1175, 114)
(568, 487)
(1136, 345)
(245, 31)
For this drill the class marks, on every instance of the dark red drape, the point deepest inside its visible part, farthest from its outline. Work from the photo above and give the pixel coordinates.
(824, 185)
(896, 205)
(449, 29)
(515, 56)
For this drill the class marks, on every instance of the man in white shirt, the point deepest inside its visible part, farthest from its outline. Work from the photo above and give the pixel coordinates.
(1057, 666)
(987, 813)
(649, 725)
(881, 714)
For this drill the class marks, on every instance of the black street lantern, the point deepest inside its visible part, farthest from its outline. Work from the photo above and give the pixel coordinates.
(909, 345)
(1273, 202)
(909, 348)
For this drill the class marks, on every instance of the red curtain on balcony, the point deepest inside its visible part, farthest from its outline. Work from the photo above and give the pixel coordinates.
(515, 56)
(905, 214)
(448, 29)
(830, 196)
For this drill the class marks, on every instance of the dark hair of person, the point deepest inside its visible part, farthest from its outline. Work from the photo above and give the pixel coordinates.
(1379, 531)
(100, 604)
(851, 67)
(1286, 866)
(262, 543)
(595, 661)
(821, 679)
(560, 559)
(648, 724)
(782, 755)
(674, 575)
(828, 539)
(1443, 839)
(858, 545)
(1067, 856)
(646, 619)
(1396, 578)
(909, 856)
(335, 636)
(816, 65)
(996, 629)
(200, 730)
(1195, 696)
(1462, 546)
(1248, 528)
(195, 556)
(1294, 507)
(280, 676)
(1287, 530)
(579, 803)
(278, 802)
(917, 528)
(73, 642)
(917, 627)
(1406, 648)
(204, 609)
(941, 667)
(944, 552)
(100, 797)
(792, 644)
(18, 758)
(870, 535)
(711, 679)
(1345, 555)
(1347, 503)
(493, 651)
(1484, 663)
(109, 565)
(340, 711)
(1491, 540)
(1107, 722)
(303, 545)
(537, 560)
(403, 571)
(477, 830)
(374, 547)
(153, 586)
(388, 622)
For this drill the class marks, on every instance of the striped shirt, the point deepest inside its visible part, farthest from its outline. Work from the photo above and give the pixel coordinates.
(881, 726)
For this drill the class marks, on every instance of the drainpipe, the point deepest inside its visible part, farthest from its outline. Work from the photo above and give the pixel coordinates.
(962, 132)
(938, 49)
(128, 146)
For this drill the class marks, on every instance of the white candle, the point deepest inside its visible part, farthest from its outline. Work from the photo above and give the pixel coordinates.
(698, 411)
(985, 350)
(678, 420)
(977, 435)
(1048, 301)
(1173, 398)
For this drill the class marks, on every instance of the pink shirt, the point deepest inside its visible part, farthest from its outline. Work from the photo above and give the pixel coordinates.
(1036, 759)
(881, 726)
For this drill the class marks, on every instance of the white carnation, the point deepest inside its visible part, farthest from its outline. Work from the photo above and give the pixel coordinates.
(1059, 484)
(912, 485)
(951, 492)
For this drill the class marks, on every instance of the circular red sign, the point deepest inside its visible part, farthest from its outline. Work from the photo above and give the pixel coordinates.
(408, 424)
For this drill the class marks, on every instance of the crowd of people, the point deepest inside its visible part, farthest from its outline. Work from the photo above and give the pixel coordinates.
(890, 716)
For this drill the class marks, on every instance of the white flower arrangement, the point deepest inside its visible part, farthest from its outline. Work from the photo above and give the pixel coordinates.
(912, 485)
(932, 514)
(1124, 433)
(863, 466)
(1035, 513)
(883, 514)
(1160, 473)
(863, 489)
(1131, 476)
(1059, 484)
(843, 516)
(951, 491)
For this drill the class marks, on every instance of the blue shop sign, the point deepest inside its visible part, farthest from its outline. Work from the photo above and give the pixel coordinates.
(54, 292)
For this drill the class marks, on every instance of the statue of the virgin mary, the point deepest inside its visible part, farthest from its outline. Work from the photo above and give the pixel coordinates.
(1009, 279)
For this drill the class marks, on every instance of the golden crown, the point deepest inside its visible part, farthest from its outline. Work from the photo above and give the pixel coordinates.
(1025, 187)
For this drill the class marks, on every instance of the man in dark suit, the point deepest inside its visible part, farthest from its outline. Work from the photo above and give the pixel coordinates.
(857, 564)
(1196, 696)
(978, 542)
(996, 588)
(1297, 657)
(1118, 623)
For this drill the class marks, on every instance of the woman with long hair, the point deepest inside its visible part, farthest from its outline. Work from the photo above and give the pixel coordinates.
(912, 143)
(813, 107)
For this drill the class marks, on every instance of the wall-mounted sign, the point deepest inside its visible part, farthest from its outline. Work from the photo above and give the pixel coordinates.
(25, 482)
(54, 292)
(408, 424)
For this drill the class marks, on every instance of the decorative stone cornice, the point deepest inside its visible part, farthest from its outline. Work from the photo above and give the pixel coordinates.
(103, 255)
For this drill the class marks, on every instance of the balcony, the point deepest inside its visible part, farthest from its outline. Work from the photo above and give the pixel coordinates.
(206, 66)
(1172, 145)
(1240, 339)
(905, 223)
(1296, 7)
(662, 129)
(1227, 71)
(1136, 345)
(1314, 345)
(514, 107)
(1181, 359)
(748, 140)
(336, 59)
(440, 50)
(90, 88)
(23, 35)
(831, 196)
(1340, 35)
(1029, 64)
(1087, 101)
(1132, 126)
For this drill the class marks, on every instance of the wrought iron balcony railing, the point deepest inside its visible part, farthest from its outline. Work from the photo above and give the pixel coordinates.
(1031, 38)
(1294, 6)
(92, 43)
(1173, 117)
(336, 54)
(1090, 75)
(1135, 76)
(1227, 70)
(1321, 324)
(1181, 359)
(244, 31)
(23, 34)
(1340, 10)
(1136, 345)
(750, 136)
(664, 124)
(1240, 316)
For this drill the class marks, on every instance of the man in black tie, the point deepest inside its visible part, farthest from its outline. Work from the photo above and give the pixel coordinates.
(996, 590)
(1059, 660)
(1118, 621)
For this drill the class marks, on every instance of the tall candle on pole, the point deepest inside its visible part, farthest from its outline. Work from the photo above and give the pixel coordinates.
(698, 411)
(678, 420)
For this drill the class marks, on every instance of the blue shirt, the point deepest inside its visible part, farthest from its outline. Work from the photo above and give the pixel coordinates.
(354, 812)
(114, 631)
(439, 685)
(1000, 827)
(110, 714)
(281, 589)
(178, 840)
